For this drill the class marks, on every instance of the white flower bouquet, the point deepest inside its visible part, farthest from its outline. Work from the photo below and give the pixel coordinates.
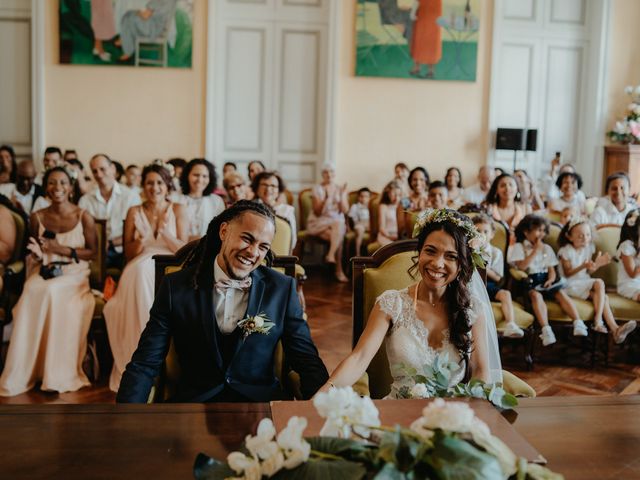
(627, 130)
(447, 442)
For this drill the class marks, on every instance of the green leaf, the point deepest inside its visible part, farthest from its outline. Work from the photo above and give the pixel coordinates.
(455, 459)
(389, 472)
(323, 470)
(207, 468)
(334, 445)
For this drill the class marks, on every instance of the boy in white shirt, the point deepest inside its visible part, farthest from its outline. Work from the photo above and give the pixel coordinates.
(359, 214)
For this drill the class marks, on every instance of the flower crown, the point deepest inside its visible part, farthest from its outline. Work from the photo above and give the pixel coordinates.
(574, 221)
(475, 239)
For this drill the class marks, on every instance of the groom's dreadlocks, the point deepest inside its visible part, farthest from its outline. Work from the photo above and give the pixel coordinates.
(209, 246)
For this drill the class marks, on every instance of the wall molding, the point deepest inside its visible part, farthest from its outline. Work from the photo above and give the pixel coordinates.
(38, 45)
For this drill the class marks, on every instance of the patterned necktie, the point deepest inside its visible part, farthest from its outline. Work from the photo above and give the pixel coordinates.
(223, 285)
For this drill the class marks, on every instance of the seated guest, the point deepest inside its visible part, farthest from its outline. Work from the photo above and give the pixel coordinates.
(478, 192)
(7, 239)
(402, 172)
(109, 201)
(267, 186)
(614, 207)
(228, 167)
(629, 255)
(549, 183)
(326, 219)
(52, 318)
(255, 167)
(453, 182)
(567, 214)
(69, 155)
(119, 171)
(199, 309)
(236, 187)
(176, 168)
(387, 213)
(417, 200)
(7, 165)
(133, 176)
(24, 193)
(197, 182)
(569, 184)
(528, 192)
(76, 169)
(158, 226)
(359, 215)
(52, 158)
(503, 201)
(438, 195)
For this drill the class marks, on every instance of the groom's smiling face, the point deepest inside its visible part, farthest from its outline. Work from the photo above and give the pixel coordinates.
(245, 242)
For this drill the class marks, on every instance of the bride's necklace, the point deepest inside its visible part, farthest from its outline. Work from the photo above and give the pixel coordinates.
(415, 299)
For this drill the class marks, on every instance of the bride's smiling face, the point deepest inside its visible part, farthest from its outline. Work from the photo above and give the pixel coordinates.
(438, 261)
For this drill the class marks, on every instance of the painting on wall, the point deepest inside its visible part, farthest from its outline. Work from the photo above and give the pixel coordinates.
(420, 39)
(126, 32)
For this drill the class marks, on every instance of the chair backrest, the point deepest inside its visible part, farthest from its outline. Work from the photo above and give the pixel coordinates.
(374, 224)
(386, 269)
(553, 216)
(305, 204)
(98, 266)
(21, 233)
(353, 196)
(281, 244)
(606, 241)
(289, 196)
(552, 237)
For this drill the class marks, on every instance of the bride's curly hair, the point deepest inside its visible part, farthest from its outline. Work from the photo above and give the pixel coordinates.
(457, 296)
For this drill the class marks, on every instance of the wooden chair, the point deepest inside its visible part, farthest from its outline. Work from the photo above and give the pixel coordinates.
(168, 378)
(374, 205)
(388, 268)
(281, 246)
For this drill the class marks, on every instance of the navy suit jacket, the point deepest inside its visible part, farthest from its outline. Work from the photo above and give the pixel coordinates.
(187, 315)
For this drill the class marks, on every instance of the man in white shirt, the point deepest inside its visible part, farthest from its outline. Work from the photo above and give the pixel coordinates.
(613, 208)
(110, 201)
(24, 193)
(477, 193)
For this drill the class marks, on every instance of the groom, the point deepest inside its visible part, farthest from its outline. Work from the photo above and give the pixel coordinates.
(200, 306)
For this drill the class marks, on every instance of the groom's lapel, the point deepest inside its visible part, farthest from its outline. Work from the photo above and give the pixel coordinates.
(208, 318)
(256, 294)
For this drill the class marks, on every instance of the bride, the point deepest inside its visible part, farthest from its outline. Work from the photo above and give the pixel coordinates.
(447, 311)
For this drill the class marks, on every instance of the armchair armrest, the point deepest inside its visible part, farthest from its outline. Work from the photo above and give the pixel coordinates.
(517, 274)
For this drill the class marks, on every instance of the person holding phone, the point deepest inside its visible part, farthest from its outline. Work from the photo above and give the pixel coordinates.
(53, 315)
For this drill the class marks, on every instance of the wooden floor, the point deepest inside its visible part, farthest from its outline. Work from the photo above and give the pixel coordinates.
(329, 312)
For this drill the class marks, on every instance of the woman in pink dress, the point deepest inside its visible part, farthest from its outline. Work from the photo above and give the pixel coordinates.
(53, 316)
(155, 227)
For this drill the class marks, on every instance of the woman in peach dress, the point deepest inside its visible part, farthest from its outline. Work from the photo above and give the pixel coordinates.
(426, 40)
(53, 316)
(153, 228)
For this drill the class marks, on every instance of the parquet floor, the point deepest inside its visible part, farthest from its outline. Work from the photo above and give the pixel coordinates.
(329, 312)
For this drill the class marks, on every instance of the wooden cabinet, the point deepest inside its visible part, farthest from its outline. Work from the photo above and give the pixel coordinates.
(625, 158)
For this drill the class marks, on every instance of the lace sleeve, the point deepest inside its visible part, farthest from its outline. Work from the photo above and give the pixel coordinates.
(473, 310)
(390, 304)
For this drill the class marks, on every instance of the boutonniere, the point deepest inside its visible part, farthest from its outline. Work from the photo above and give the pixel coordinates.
(255, 324)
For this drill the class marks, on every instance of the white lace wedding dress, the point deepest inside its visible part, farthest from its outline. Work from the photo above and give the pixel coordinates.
(408, 339)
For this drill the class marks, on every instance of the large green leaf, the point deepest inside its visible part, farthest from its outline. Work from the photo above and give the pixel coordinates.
(207, 468)
(324, 470)
(455, 459)
(334, 445)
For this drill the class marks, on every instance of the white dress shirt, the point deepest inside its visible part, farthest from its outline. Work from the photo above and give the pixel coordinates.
(230, 306)
(114, 211)
(541, 261)
(474, 194)
(606, 212)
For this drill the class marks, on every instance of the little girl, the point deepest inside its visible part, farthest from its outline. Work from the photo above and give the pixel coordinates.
(629, 255)
(387, 219)
(569, 184)
(576, 265)
(532, 255)
(495, 274)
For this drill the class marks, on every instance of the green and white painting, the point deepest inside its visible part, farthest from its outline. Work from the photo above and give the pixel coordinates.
(420, 39)
(126, 32)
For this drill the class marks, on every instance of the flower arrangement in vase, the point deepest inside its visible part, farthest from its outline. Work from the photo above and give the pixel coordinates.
(627, 130)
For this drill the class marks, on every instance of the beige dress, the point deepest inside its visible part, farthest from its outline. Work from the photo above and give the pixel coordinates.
(50, 326)
(127, 312)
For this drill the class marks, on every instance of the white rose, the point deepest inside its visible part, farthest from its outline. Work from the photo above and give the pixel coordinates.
(448, 416)
(628, 89)
(419, 390)
(262, 445)
(343, 408)
(296, 449)
(258, 321)
(240, 464)
(273, 464)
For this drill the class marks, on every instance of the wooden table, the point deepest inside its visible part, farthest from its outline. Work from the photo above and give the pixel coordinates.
(582, 437)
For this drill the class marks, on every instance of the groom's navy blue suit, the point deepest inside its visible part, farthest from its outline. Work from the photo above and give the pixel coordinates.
(187, 315)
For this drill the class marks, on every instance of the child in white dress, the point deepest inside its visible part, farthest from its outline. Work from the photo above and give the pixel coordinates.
(576, 266)
(359, 215)
(629, 255)
(495, 273)
(535, 257)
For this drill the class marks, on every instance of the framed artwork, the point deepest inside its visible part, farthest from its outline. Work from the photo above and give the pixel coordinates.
(126, 32)
(420, 39)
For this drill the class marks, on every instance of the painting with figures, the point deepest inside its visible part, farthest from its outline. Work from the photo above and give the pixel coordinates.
(126, 32)
(420, 39)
